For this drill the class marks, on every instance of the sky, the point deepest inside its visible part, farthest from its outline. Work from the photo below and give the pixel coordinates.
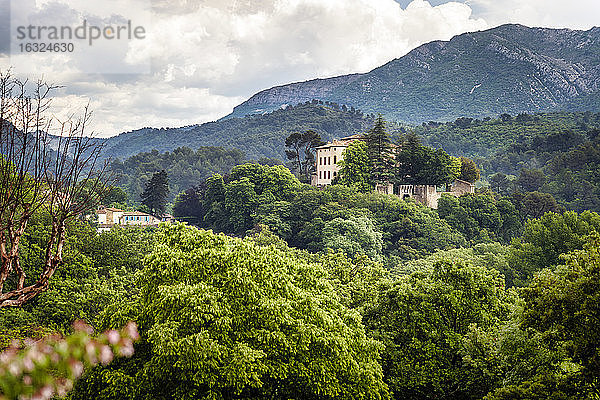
(200, 58)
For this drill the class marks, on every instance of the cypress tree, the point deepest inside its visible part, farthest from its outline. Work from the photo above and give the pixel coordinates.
(155, 194)
(379, 150)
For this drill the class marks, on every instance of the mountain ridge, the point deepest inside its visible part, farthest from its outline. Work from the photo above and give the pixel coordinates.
(478, 74)
(257, 136)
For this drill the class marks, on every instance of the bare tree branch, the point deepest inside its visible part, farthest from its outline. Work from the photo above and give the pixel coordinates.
(64, 182)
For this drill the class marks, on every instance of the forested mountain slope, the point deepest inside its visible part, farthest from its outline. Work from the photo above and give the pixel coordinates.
(257, 136)
(507, 69)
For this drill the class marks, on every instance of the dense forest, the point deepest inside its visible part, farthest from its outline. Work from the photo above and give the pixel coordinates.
(563, 148)
(184, 166)
(272, 288)
(560, 149)
(303, 247)
(259, 136)
(226, 317)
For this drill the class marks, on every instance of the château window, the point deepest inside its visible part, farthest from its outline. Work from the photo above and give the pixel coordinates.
(328, 174)
(334, 161)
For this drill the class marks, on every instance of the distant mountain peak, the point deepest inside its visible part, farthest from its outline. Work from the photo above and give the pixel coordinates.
(518, 68)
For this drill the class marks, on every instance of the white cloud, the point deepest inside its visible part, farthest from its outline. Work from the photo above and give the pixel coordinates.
(125, 107)
(231, 44)
(574, 14)
(207, 56)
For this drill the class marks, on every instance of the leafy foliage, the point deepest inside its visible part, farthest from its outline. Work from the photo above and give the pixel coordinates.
(422, 165)
(468, 170)
(184, 167)
(480, 217)
(355, 169)
(552, 153)
(355, 235)
(545, 239)
(98, 270)
(306, 217)
(424, 322)
(49, 366)
(562, 305)
(250, 322)
(553, 351)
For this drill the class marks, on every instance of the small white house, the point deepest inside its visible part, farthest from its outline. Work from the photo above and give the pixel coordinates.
(138, 218)
(109, 217)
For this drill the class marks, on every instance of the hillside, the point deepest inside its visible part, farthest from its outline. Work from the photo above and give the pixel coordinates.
(482, 139)
(507, 69)
(185, 168)
(563, 147)
(257, 136)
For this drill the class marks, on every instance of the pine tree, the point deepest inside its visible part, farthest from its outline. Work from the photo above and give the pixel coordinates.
(155, 195)
(302, 152)
(379, 150)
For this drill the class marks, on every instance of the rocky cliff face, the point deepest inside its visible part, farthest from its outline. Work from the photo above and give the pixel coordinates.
(291, 94)
(511, 68)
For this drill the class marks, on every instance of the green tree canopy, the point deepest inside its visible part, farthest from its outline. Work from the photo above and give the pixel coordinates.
(480, 217)
(546, 238)
(535, 204)
(421, 165)
(355, 235)
(379, 150)
(188, 206)
(553, 352)
(225, 318)
(424, 320)
(355, 169)
(228, 204)
(155, 195)
(530, 180)
(468, 170)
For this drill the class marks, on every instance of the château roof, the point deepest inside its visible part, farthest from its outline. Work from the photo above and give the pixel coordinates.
(343, 142)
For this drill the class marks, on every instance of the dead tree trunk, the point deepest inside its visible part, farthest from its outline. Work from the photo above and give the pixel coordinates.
(57, 175)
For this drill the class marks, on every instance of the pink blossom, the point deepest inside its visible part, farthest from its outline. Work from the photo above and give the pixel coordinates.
(76, 367)
(82, 326)
(113, 336)
(131, 330)
(106, 355)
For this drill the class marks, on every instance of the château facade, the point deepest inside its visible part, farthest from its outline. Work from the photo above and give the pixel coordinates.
(327, 159)
(329, 155)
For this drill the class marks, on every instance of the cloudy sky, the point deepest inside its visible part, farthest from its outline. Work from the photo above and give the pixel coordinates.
(200, 58)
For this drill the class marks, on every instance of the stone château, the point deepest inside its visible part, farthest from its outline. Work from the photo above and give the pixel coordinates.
(327, 161)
